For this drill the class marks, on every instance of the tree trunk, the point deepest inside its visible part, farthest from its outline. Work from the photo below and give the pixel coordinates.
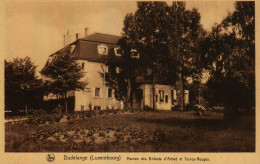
(26, 110)
(180, 94)
(199, 97)
(153, 88)
(183, 93)
(128, 93)
(66, 103)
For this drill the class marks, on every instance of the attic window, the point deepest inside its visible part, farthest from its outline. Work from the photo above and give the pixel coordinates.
(72, 47)
(118, 51)
(118, 70)
(50, 59)
(83, 66)
(102, 49)
(148, 71)
(134, 54)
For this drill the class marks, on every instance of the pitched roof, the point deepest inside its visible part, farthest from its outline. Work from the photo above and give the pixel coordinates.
(103, 38)
(86, 48)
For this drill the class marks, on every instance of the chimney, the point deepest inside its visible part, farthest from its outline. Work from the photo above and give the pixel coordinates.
(86, 32)
(77, 36)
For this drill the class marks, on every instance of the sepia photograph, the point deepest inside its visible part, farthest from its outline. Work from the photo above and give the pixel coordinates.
(129, 76)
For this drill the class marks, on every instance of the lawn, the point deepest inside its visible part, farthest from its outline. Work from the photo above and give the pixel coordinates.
(161, 131)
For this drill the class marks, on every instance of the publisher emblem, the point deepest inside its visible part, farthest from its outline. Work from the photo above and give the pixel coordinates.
(50, 157)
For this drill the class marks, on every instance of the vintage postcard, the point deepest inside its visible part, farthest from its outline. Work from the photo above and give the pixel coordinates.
(129, 81)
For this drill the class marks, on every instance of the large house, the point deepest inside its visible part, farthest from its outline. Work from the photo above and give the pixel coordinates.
(93, 51)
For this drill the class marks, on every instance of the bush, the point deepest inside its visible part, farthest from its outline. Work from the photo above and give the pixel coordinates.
(115, 111)
(147, 108)
(217, 108)
(58, 109)
(42, 119)
(199, 109)
(101, 112)
(176, 107)
(37, 112)
(189, 107)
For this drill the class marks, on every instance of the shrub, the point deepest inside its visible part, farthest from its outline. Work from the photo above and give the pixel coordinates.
(217, 108)
(199, 109)
(147, 108)
(115, 111)
(37, 112)
(58, 109)
(176, 107)
(189, 107)
(88, 113)
(101, 112)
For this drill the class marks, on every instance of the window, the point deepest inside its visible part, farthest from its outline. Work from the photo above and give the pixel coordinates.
(109, 92)
(97, 92)
(83, 66)
(166, 98)
(161, 95)
(118, 70)
(156, 98)
(97, 107)
(72, 47)
(118, 51)
(148, 71)
(50, 59)
(82, 107)
(134, 54)
(102, 49)
(173, 95)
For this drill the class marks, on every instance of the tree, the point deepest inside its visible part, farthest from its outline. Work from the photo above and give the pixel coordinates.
(64, 74)
(167, 39)
(186, 35)
(142, 32)
(22, 86)
(230, 56)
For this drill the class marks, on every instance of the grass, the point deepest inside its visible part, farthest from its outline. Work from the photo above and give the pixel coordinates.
(161, 131)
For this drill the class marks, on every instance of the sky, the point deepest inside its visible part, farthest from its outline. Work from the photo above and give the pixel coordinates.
(36, 29)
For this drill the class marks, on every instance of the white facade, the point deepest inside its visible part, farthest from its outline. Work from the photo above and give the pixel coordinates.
(165, 95)
(100, 96)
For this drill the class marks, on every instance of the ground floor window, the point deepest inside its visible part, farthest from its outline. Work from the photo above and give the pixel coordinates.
(82, 107)
(109, 92)
(174, 96)
(161, 95)
(97, 107)
(97, 92)
(166, 98)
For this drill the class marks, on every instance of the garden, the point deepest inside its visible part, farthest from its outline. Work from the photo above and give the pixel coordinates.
(131, 131)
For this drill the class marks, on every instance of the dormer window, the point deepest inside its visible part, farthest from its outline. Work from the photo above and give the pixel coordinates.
(83, 66)
(134, 54)
(50, 59)
(102, 49)
(118, 70)
(118, 51)
(148, 71)
(72, 47)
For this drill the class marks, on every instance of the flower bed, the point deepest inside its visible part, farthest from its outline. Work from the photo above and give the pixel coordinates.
(99, 136)
(59, 117)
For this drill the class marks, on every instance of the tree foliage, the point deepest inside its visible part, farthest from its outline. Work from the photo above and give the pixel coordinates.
(186, 35)
(22, 86)
(230, 57)
(167, 39)
(63, 74)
